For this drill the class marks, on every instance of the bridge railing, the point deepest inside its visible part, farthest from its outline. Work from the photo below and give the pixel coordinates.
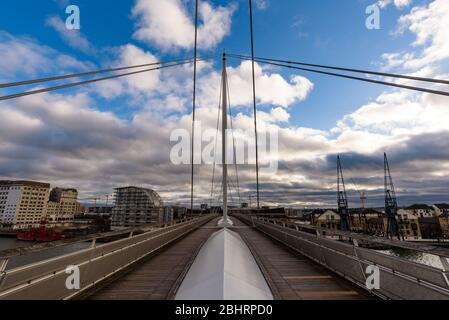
(398, 278)
(47, 279)
(9, 254)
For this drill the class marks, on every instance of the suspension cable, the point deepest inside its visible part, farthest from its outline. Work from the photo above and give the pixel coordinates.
(254, 100)
(69, 85)
(194, 105)
(384, 74)
(437, 92)
(90, 73)
(216, 141)
(233, 144)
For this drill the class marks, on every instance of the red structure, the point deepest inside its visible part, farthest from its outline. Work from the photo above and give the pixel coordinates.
(40, 235)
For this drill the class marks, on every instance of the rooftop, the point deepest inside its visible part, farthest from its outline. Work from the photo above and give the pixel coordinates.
(419, 206)
(24, 183)
(442, 205)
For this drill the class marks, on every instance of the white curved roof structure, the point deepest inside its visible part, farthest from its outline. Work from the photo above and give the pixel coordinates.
(224, 269)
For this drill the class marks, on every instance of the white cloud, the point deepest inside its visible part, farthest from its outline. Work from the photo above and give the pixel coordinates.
(66, 140)
(400, 4)
(383, 3)
(135, 85)
(167, 24)
(73, 38)
(58, 132)
(272, 88)
(132, 55)
(280, 114)
(22, 55)
(26, 57)
(429, 25)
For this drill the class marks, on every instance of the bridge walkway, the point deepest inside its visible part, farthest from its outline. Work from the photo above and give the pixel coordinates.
(293, 276)
(158, 277)
(290, 275)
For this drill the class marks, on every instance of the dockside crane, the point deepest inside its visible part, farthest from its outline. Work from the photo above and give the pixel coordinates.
(342, 198)
(391, 203)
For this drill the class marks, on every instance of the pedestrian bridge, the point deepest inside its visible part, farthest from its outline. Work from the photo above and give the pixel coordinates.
(296, 261)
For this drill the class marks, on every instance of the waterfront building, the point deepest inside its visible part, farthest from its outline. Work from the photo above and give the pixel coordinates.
(435, 227)
(23, 204)
(409, 224)
(98, 210)
(294, 212)
(326, 219)
(358, 218)
(136, 207)
(421, 211)
(443, 220)
(63, 206)
(441, 208)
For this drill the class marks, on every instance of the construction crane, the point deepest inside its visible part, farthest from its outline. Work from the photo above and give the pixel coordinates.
(98, 199)
(361, 194)
(391, 204)
(342, 198)
(361, 212)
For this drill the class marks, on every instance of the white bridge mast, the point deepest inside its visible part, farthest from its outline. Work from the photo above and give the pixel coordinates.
(226, 220)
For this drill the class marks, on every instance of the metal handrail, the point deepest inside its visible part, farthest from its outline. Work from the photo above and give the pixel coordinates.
(402, 279)
(423, 248)
(46, 279)
(16, 252)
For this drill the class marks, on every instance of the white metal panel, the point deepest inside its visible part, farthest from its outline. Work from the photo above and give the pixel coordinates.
(224, 269)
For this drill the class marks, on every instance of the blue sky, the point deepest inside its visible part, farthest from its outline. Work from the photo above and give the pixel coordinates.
(331, 32)
(118, 133)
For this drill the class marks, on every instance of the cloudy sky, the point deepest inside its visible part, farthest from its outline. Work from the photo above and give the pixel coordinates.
(117, 132)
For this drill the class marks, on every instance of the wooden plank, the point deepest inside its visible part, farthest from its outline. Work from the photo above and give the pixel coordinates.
(293, 276)
(154, 279)
(307, 277)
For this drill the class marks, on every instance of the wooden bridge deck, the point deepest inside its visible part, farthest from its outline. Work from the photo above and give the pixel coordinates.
(157, 277)
(290, 275)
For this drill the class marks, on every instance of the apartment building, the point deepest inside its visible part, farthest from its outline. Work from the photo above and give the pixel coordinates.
(358, 218)
(441, 209)
(326, 219)
(23, 204)
(421, 210)
(409, 225)
(136, 207)
(62, 206)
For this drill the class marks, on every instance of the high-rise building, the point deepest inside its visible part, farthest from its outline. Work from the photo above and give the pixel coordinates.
(136, 207)
(23, 204)
(63, 206)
